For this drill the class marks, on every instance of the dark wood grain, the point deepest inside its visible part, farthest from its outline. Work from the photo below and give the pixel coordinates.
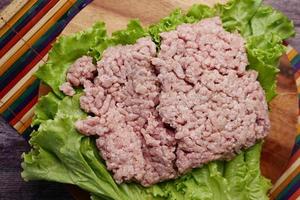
(12, 187)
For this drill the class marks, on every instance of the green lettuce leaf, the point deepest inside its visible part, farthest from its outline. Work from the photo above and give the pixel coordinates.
(59, 153)
(49, 101)
(199, 12)
(133, 32)
(66, 50)
(237, 14)
(268, 20)
(263, 53)
(248, 17)
(59, 139)
(70, 105)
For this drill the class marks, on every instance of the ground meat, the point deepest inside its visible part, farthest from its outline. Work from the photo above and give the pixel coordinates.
(123, 98)
(158, 116)
(79, 73)
(67, 89)
(215, 105)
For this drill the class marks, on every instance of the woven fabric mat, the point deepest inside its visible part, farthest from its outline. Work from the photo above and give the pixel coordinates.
(27, 32)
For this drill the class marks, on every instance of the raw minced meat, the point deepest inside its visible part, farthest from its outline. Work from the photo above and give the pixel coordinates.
(215, 105)
(67, 89)
(123, 98)
(80, 72)
(158, 116)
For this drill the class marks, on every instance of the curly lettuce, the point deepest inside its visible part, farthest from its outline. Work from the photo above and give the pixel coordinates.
(59, 153)
(263, 53)
(133, 32)
(66, 50)
(49, 101)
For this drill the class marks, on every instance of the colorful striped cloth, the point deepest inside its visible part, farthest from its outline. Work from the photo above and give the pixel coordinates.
(25, 39)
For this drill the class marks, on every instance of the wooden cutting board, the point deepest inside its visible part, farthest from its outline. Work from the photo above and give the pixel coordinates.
(117, 13)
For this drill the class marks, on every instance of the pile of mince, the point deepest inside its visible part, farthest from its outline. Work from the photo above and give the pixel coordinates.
(158, 115)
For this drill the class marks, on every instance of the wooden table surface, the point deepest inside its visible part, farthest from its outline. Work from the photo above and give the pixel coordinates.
(116, 14)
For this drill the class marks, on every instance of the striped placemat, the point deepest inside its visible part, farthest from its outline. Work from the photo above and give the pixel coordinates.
(26, 35)
(25, 39)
